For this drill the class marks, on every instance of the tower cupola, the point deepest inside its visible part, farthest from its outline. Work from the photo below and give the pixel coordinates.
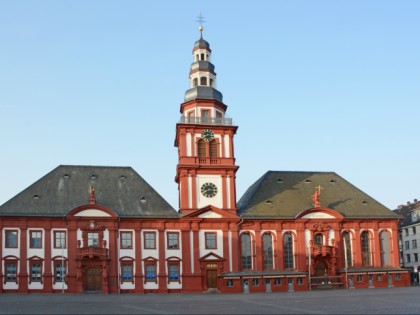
(202, 74)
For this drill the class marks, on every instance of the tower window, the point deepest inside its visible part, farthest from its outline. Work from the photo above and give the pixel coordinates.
(195, 82)
(211, 82)
(196, 57)
(202, 56)
(213, 149)
(201, 148)
(203, 81)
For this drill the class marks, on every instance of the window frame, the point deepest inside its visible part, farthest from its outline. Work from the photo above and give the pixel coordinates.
(7, 243)
(11, 261)
(145, 240)
(122, 240)
(89, 239)
(150, 263)
(64, 268)
(32, 239)
(178, 267)
(168, 240)
(206, 240)
(55, 239)
(31, 274)
(130, 264)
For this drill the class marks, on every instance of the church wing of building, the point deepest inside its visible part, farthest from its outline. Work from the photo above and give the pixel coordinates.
(105, 229)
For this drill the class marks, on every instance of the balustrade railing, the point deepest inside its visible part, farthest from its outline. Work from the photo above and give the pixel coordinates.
(206, 121)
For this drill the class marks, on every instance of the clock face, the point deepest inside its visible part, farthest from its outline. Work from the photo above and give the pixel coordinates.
(209, 190)
(207, 135)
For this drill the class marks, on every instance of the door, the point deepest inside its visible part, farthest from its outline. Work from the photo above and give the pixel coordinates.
(211, 278)
(93, 279)
(321, 269)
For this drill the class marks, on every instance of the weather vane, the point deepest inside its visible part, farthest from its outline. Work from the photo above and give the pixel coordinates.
(201, 20)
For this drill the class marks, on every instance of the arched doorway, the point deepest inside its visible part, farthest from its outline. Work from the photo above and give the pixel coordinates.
(93, 280)
(321, 269)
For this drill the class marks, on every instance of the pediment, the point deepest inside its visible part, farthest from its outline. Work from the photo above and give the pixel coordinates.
(211, 212)
(320, 213)
(92, 210)
(92, 213)
(211, 257)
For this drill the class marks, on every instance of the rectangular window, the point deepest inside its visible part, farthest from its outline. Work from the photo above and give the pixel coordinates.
(11, 272)
(150, 272)
(359, 278)
(205, 116)
(416, 257)
(36, 239)
(59, 239)
(11, 239)
(398, 276)
(277, 281)
(408, 258)
(211, 242)
(173, 272)
(127, 272)
(255, 282)
(407, 245)
(406, 232)
(378, 277)
(126, 240)
(59, 271)
(93, 239)
(36, 272)
(173, 240)
(300, 281)
(149, 240)
(414, 230)
(229, 283)
(414, 243)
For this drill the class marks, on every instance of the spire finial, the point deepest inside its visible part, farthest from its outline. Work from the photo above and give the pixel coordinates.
(201, 20)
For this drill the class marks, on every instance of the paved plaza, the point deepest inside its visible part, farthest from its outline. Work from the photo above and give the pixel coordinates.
(360, 301)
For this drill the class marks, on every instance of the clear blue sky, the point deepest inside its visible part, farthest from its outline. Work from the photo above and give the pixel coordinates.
(312, 85)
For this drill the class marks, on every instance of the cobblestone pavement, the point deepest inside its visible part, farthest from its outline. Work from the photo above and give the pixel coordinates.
(358, 301)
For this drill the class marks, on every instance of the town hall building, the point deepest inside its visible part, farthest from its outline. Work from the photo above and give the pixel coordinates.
(105, 229)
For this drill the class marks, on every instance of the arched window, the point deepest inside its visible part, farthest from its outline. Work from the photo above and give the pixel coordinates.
(365, 242)
(347, 249)
(211, 82)
(196, 57)
(246, 251)
(195, 82)
(268, 251)
(202, 56)
(213, 149)
(288, 250)
(201, 148)
(319, 239)
(385, 248)
(203, 81)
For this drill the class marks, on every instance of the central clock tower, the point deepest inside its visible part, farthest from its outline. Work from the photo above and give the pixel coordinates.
(206, 168)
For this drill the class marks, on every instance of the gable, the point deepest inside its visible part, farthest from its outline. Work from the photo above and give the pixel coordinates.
(210, 214)
(92, 213)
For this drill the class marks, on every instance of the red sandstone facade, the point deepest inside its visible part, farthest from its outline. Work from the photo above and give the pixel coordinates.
(210, 245)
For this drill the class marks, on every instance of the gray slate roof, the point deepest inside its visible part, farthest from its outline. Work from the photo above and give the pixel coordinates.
(120, 189)
(284, 194)
(203, 93)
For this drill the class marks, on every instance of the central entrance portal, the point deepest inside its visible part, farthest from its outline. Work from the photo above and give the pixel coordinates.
(93, 280)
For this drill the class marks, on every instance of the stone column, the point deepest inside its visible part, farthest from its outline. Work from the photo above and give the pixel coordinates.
(23, 262)
(47, 262)
(138, 278)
